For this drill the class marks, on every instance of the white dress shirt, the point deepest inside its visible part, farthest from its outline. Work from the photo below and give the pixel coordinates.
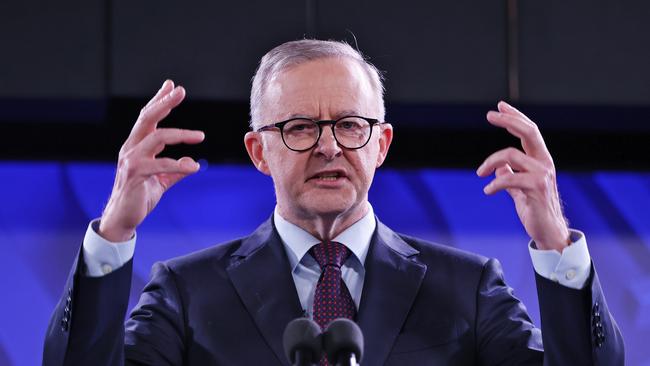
(306, 271)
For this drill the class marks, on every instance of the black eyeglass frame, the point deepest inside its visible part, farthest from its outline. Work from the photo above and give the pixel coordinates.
(280, 125)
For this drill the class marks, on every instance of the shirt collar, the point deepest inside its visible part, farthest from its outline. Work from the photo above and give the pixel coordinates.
(298, 241)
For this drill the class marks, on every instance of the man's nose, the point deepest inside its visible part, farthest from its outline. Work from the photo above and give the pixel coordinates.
(327, 145)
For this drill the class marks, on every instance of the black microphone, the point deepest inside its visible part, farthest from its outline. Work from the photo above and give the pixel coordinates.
(302, 342)
(343, 343)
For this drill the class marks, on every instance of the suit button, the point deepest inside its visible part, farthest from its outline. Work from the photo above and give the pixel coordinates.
(106, 268)
(570, 274)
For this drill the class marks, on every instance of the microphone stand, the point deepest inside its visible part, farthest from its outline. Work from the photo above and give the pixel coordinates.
(303, 358)
(346, 359)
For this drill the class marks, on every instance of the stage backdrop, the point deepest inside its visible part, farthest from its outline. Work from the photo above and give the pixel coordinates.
(46, 207)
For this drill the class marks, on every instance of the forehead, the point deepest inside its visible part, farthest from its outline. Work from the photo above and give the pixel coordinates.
(324, 88)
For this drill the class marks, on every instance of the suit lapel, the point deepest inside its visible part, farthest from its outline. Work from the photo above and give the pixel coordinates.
(262, 277)
(393, 278)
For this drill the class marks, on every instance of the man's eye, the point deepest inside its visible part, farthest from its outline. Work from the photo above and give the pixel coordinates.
(300, 127)
(348, 125)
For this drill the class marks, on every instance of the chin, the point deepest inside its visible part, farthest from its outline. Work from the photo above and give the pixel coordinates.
(327, 205)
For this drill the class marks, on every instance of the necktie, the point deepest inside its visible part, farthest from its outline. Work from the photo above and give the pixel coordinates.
(332, 299)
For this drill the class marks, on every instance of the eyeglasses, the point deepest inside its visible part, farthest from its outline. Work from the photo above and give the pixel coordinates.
(302, 134)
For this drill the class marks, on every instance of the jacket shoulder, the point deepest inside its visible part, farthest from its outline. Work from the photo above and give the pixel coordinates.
(215, 257)
(444, 254)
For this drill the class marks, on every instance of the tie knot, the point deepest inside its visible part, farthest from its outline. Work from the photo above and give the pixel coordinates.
(330, 253)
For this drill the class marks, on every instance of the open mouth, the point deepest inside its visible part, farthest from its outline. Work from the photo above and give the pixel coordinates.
(328, 176)
(333, 176)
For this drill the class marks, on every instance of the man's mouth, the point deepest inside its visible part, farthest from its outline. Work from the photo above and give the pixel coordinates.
(328, 176)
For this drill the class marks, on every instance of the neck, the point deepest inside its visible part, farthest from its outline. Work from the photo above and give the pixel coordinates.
(325, 226)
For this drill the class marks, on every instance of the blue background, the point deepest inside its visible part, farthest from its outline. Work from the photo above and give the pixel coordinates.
(46, 207)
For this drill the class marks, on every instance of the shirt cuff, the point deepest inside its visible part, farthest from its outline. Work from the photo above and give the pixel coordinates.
(101, 256)
(571, 268)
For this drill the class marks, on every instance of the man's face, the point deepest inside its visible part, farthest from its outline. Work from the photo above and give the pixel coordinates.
(327, 180)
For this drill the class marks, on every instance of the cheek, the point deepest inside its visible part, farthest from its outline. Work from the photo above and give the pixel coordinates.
(364, 166)
(286, 169)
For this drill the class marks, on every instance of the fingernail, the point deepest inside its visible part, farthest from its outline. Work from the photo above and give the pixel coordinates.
(493, 114)
(190, 165)
(486, 189)
(174, 92)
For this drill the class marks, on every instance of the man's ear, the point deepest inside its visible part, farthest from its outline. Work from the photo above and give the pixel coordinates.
(385, 138)
(255, 148)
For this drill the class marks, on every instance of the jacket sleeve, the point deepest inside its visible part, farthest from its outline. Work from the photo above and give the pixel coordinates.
(87, 325)
(578, 328)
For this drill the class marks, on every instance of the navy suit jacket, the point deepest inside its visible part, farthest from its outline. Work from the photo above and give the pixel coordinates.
(422, 304)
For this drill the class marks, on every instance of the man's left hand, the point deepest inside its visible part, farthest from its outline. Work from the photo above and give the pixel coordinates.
(529, 177)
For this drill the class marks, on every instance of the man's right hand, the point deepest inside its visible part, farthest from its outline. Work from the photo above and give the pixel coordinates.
(141, 178)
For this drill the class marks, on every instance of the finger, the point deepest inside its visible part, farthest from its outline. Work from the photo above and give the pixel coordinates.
(155, 142)
(506, 169)
(169, 179)
(512, 157)
(166, 87)
(158, 110)
(524, 129)
(183, 166)
(512, 182)
(152, 115)
(509, 109)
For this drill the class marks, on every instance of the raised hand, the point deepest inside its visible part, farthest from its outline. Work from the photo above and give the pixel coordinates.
(141, 177)
(529, 177)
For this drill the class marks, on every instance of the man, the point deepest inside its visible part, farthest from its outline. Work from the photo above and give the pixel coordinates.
(317, 129)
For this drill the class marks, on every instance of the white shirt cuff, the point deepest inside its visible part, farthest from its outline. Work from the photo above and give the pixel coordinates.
(101, 256)
(571, 268)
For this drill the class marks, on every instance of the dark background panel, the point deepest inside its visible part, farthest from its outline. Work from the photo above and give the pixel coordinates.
(431, 52)
(52, 49)
(74, 75)
(211, 47)
(585, 52)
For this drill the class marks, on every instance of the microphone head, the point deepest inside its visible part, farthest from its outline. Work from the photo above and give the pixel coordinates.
(343, 336)
(304, 335)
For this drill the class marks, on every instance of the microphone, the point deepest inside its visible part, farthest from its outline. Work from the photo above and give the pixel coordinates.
(343, 343)
(302, 342)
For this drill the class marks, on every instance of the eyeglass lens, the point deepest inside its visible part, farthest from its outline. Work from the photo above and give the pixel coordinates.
(350, 132)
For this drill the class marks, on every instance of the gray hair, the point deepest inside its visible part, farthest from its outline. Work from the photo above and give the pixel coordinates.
(290, 54)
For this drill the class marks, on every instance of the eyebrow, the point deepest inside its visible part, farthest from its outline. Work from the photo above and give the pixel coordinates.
(343, 113)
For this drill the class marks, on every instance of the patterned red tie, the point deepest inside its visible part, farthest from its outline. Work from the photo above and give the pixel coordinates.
(332, 299)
